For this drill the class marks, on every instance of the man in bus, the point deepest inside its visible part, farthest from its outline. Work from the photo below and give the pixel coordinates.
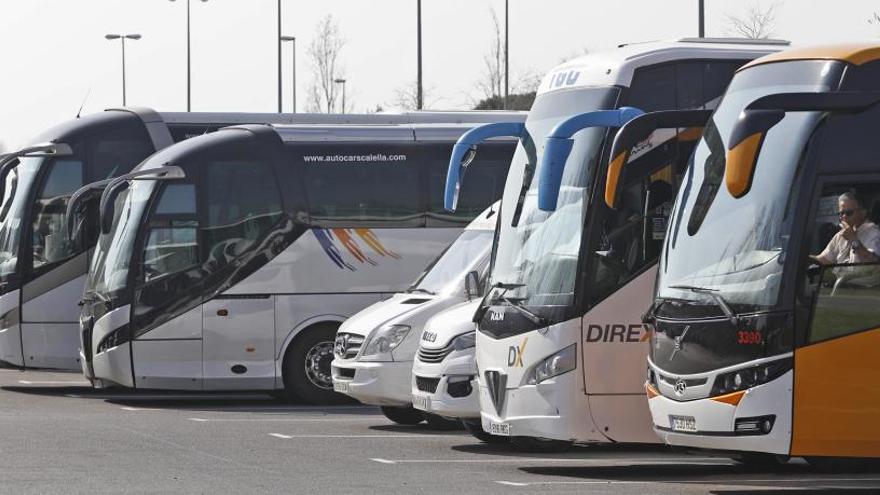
(858, 241)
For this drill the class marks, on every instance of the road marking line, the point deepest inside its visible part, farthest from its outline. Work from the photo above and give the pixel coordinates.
(128, 408)
(382, 461)
(720, 482)
(53, 382)
(278, 420)
(279, 435)
(360, 436)
(710, 462)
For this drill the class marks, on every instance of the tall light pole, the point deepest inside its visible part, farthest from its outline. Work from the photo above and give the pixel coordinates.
(506, 52)
(420, 96)
(279, 56)
(292, 40)
(188, 59)
(702, 18)
(123, 37)
(342, 82)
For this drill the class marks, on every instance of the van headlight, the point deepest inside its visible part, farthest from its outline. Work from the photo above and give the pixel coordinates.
(383, 341)
(554, 365)
(464, 341)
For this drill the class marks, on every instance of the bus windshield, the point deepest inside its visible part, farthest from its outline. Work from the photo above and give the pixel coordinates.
(11, 229)
(108, 273)
(735, 248)
(537, 253)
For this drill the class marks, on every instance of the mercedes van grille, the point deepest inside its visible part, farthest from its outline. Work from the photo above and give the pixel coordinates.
(434, 355)
(347, 345)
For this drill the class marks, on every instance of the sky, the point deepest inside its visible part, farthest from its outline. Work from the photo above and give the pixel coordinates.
(55, 57)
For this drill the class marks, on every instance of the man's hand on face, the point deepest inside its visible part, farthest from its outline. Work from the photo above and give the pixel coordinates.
(848, 232)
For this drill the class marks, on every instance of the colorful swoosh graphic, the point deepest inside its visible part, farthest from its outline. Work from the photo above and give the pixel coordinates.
(349, 241)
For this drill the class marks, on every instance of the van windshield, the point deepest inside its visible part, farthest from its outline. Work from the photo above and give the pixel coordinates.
(467, 253)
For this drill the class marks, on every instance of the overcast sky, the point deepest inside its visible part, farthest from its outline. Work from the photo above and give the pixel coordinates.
(54, 52)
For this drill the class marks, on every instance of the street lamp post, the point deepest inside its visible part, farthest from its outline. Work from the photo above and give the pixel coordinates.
(122, 37)
(702, 18)
(292, 40)
(279, 56)
(419, 90)
(506, 52)
(342, 82)
(188, 58)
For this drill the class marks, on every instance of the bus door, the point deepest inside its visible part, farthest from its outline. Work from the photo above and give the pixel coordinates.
(243, 206)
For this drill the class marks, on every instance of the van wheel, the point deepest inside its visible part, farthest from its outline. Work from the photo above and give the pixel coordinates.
(403, 415)
(440, 423)
(306, 368)
(476, 430)
(540, 445)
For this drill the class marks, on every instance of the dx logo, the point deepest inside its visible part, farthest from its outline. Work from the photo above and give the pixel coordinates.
(515, 354)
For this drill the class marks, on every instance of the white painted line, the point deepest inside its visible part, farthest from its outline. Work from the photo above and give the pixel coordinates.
(281, 420)
(54, 382)
(382, 461)
(126, 408)
(582, 460)
(279, 435)
(724, 482)
(360, 436)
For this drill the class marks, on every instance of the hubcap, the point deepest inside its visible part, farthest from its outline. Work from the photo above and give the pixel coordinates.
(318, 365)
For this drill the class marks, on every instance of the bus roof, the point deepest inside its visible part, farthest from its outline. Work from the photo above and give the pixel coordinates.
(405, 132)
(415, 117)
(854, 53)
(615, 67)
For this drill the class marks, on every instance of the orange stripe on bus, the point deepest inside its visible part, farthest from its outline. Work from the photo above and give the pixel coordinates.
(652, 392)
(732, 398)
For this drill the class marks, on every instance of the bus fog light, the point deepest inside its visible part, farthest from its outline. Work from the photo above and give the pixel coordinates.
(554, 365)
(757, 425)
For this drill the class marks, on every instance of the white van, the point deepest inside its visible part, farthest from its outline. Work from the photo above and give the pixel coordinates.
(375, 348)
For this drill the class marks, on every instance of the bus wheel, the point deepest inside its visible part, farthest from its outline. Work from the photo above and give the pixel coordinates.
(440, 423)
(476, 430)
(540, 445)
(306, 367)
(403, 415)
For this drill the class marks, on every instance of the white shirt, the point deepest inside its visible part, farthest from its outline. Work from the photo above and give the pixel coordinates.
(839, 251)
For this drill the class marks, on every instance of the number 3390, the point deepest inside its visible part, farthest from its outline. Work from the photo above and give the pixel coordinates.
(753, 337)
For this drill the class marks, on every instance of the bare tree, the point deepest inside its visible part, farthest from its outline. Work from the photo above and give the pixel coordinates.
(875, 19)
(407, 97)
(492, 83)
(324, 52)
(757, 23)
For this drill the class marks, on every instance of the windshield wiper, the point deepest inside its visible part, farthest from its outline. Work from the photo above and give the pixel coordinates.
(92, 296)
(515, 303)
(714, 294)
(423, 291)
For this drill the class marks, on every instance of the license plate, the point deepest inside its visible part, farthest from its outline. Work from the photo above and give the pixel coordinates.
(500, 429)
(422, 402)
(683, 423)
(341, 387)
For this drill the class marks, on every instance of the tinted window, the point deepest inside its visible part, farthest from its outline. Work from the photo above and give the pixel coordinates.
(243, 204)
(50, 243)
(362, 183)
(117, 153)
(653, 88)
(172, 235)
(483, 183)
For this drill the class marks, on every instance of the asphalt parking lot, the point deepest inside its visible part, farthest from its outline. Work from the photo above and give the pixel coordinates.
(57, 435)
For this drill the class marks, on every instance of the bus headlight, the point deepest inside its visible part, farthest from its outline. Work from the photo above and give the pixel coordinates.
(383, 341)
(554, 365)
(752, 376)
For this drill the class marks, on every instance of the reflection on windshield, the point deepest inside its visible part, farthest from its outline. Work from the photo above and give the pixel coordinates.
(110, 264)
(10, 230)
(462, 256)
(737, 246)
(539, 249)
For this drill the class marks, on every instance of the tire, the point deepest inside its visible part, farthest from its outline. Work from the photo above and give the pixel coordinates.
(476, 430)
(440, 423)
(408, 416)
(314, 345)
(540, 445)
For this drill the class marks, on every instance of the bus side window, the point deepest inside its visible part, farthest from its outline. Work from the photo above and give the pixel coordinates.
(50, 243)
(243, 204)
(172, 235)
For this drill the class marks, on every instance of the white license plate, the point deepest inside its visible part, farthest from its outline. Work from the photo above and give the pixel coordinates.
(500, 429)
(341, 387)
(422, 402)
(683, 423)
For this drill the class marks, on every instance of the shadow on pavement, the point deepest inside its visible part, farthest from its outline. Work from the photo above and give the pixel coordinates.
(419, 429)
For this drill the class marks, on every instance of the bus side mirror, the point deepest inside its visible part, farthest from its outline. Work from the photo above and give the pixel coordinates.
(638, 130)
(472, 285)
(108, 197)
(749, 131)
(558, 146)
(10, 160)
(75, 205)
(465, 150)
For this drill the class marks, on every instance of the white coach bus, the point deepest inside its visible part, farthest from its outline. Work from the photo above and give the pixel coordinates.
(229, 260)
(42, 270)
(560, 343)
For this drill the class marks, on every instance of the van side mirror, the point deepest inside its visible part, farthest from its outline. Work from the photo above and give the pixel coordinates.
(108, 197)
(472, 285)
(636, 131)
(465, 150)
(558, 146)
(748, 133)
